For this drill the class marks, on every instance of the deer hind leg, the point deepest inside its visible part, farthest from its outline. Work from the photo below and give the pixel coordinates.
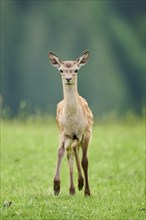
(75, 146)
(85, 164)
(61, 151)
(70, 158)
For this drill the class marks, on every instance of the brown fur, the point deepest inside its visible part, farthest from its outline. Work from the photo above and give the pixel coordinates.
(74, 119)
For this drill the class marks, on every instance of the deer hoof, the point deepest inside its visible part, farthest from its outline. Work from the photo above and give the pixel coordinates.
(87, 192)
(80, 183)
(56, 187)
(72, 191)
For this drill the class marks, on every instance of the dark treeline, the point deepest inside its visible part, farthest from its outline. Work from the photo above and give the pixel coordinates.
(113, 32)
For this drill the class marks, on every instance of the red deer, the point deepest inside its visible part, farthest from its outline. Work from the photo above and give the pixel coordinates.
(74, 120)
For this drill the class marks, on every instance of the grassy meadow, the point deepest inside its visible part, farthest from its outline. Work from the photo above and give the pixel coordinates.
(116, 172)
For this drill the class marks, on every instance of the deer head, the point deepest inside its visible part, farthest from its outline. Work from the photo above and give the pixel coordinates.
(68, 69)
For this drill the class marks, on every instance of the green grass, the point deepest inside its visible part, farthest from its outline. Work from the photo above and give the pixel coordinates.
(116, 173)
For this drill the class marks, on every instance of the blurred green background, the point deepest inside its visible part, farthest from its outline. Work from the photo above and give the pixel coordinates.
(113, 32)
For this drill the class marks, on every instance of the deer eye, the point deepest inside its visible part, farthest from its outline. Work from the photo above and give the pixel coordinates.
(76, 71)
(61, 70)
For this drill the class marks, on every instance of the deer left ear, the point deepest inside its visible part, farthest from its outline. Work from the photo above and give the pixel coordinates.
(55, 61)
(83, 59)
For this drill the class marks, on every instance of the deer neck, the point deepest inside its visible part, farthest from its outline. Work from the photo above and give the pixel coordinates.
(70, 97)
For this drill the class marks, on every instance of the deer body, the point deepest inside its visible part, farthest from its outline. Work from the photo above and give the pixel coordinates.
(74, 120)
(71, 117)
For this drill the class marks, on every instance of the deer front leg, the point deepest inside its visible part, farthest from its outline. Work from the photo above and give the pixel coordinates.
(85, 164)
(57, 173)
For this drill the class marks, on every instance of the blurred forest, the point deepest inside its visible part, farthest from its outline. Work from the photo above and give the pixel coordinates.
(112, 31)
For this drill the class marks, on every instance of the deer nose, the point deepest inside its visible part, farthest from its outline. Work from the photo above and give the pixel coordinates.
(68, 79)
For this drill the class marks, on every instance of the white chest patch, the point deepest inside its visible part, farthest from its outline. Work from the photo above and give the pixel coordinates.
(73, 123)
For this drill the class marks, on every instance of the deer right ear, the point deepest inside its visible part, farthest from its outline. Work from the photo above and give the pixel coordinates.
(82, 60)
(55, 61)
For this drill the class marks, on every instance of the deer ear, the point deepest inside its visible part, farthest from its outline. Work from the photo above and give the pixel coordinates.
(55, 61)
(82, 60)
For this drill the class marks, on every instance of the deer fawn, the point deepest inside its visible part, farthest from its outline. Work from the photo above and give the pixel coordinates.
(74, 119)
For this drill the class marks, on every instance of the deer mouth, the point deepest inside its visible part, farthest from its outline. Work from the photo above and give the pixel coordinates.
(69, 83)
